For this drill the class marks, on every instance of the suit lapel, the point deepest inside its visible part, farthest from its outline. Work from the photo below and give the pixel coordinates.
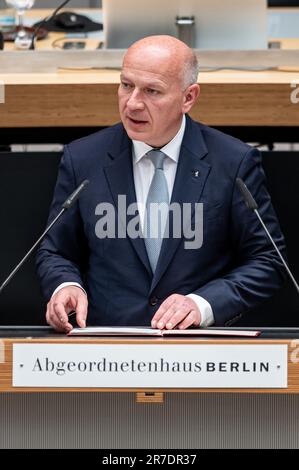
(190, 179)
(191, 176)
(119, 175)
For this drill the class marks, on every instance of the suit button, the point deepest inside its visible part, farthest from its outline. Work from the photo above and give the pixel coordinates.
(153, 301)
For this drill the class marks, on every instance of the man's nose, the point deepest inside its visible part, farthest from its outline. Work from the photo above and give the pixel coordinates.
(135, 101)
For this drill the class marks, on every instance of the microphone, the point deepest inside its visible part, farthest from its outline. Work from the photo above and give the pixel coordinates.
(65, 206)
(43, 22)
(252, 205)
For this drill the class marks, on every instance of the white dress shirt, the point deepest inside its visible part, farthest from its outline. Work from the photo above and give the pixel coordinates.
(143, 172)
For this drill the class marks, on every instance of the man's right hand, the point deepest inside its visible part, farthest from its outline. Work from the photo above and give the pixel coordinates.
(62, 303)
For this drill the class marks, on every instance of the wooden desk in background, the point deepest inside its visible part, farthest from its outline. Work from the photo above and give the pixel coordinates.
(88, 98)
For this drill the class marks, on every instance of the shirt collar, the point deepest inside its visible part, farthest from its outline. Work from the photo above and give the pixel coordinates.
(172, 149)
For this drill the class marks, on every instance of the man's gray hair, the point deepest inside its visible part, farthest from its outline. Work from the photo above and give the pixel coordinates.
(190, 71)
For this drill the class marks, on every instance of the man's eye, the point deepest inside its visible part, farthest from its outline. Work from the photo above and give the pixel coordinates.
(126, 86)
(151, 91)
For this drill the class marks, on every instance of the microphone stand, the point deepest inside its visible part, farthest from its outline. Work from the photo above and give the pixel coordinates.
(252, 205)
(65, 206)
(43, 22)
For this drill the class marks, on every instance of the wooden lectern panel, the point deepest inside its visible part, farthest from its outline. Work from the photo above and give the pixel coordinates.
(293, 363)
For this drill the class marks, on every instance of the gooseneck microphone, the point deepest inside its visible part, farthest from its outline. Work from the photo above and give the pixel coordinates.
(65, 206)
(252, 205)
(43, 22)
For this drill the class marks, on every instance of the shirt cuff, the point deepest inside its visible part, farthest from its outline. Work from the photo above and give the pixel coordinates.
(207, 317)
(66, 284)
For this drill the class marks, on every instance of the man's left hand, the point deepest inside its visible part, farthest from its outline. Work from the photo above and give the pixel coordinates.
(177, 311)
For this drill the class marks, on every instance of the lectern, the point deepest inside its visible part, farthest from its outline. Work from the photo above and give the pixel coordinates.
(108, 392)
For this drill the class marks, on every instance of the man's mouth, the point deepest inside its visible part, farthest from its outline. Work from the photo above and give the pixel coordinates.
(136, 121)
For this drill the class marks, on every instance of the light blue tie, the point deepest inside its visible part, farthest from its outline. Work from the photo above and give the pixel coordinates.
(156, 209)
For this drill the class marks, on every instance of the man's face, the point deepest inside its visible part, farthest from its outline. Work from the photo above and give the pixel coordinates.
(151, 98)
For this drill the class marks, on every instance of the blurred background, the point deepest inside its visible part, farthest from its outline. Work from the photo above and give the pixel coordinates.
(55, 3)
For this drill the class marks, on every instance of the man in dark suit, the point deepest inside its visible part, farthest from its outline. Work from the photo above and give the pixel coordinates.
(92, 261)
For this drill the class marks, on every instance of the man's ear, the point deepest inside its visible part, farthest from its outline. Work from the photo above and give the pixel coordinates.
(190, 96)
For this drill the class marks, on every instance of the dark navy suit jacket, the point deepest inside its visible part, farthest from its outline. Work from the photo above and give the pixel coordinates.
(235, 268)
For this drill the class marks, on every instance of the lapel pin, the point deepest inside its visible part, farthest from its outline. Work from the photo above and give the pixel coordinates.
(195, 173)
